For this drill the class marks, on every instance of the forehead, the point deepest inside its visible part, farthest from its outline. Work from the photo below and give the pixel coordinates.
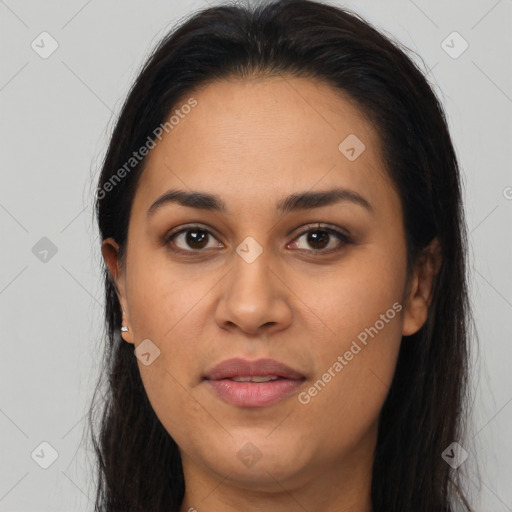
(250, 140)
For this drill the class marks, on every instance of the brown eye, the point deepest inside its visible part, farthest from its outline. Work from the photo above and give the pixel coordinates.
(320, 237)
(191, 239)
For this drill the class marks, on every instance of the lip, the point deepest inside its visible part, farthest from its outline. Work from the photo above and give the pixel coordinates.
(239, 367)
(253, 394)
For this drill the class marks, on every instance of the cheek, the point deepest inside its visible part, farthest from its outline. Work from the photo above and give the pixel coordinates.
(167, 306)
(346, 396)
(162, 295)
(356, 295)
(356, 359)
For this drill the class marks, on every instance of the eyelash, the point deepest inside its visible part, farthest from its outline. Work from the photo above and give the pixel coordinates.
(344, 239)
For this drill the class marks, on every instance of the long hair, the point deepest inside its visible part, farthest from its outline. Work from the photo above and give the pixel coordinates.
(138, 462)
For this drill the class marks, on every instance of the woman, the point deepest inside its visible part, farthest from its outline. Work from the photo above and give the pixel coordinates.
(285, 274)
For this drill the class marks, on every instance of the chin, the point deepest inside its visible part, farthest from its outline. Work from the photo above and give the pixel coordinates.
(257, 464)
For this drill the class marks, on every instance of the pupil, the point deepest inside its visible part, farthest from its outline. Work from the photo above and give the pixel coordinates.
(193, 242)
(197, 239)
(313, 238)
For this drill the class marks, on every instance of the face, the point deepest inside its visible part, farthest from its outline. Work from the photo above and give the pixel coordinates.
(318, 285)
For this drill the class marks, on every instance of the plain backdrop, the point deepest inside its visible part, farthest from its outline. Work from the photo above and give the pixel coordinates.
(56, 115)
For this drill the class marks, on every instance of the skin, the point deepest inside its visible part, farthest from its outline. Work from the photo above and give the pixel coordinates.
(252, 142)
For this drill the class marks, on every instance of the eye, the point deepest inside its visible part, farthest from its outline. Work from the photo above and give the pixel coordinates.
(194, 237)
(319, 237)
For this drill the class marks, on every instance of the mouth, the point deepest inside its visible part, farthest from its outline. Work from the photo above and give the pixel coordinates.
(258, 383)
(256, 378)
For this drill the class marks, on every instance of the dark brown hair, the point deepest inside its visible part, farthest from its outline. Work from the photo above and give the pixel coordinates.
(138, 461)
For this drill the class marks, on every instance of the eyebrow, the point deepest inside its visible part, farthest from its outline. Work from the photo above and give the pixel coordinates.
(298, 201)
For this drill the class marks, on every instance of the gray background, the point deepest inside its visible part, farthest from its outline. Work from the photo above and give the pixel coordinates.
(56, 114)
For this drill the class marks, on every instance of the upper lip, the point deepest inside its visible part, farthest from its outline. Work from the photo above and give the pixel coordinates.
(239, 367)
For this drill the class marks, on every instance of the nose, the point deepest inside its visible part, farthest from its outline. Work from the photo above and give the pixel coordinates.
(254, 298)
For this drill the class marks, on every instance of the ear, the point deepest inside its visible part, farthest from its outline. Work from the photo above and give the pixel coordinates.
(420, 289)
(110, 252)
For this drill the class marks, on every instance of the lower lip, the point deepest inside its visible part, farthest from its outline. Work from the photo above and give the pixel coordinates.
(254, 394)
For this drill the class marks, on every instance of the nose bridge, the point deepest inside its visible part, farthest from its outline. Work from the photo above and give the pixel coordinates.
(251, 282)
(253, 296)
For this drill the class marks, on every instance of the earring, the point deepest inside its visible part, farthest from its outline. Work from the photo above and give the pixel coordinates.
(124, 328)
